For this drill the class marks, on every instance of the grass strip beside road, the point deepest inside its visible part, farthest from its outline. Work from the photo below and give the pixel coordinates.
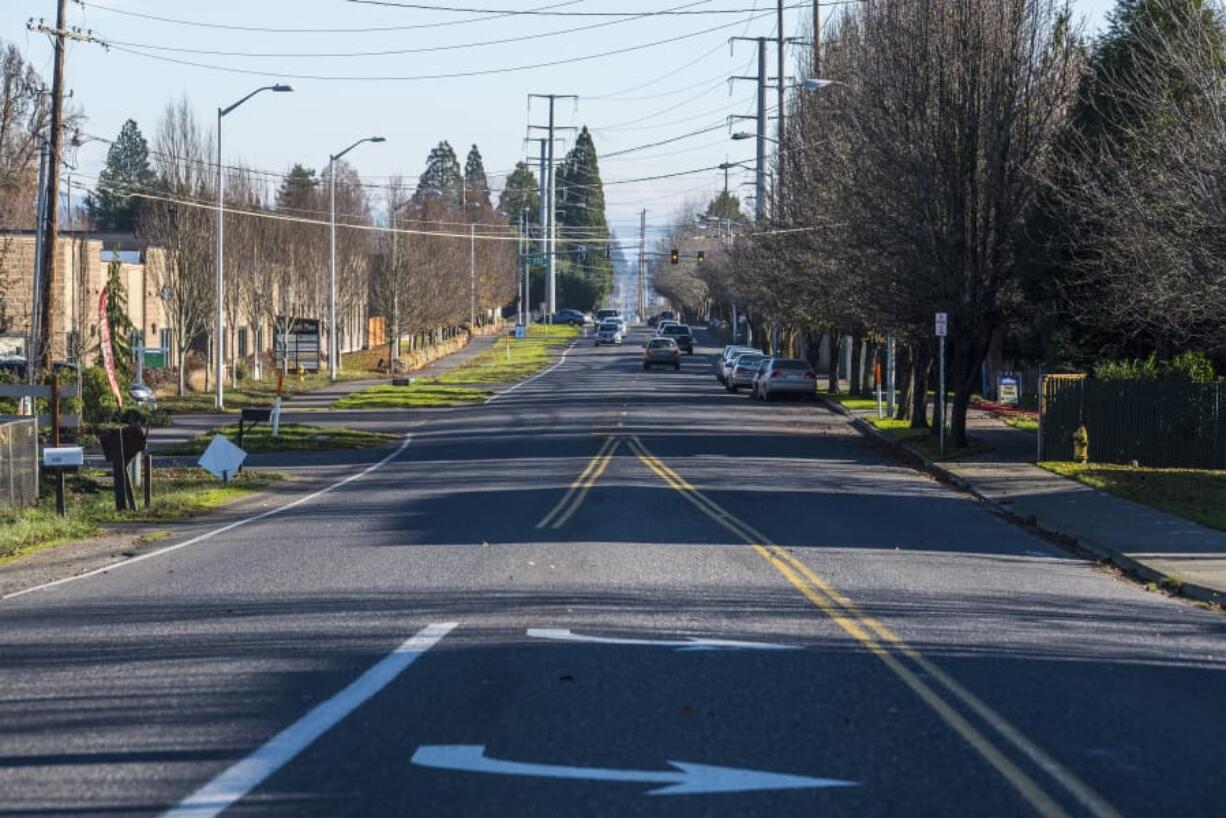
(1194, 494)
(504, 363)
(923, 441)
(90, 507)
(255, 394)
(294, 437)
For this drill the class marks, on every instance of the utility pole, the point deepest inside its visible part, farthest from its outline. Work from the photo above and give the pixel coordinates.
(40, 240)
(817, 39)
(780, 87)
(759, 205)
(472, 275)
(643, 265)
(551, 215)
(40, 357)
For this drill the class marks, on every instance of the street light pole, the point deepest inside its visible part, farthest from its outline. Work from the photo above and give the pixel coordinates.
(219, 370)
(472, 275)
(332, 350)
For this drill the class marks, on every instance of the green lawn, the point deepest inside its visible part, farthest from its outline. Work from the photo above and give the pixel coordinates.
(504, 363)
(923, 441)
(1026, 424)
(850, 403)
(1194, 494)
(425, 393)
(252, 393)
(90, 505)
(293, 437)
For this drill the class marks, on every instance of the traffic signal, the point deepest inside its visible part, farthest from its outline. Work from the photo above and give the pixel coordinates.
(675, 257)
(701, 257)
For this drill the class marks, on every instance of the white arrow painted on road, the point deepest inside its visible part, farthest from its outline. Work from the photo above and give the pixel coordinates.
(689, 643)
(686, 779)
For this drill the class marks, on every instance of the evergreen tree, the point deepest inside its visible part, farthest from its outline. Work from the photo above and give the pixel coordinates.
(581, 214)
(476, 186)
(522, 192)
(297, 189)
(726, 206)
(442, 176)
(117, 315)
(127, 171)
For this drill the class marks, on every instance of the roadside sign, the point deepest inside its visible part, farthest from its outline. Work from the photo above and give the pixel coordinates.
(59, 457)
(155, 358)
(520, 331)
(1008, 390)
(942, 324)
(222, 458)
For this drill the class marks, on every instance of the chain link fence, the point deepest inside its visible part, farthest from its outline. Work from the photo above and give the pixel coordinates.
(18, 462)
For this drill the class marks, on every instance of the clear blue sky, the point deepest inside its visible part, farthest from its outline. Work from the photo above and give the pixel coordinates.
(629, 99)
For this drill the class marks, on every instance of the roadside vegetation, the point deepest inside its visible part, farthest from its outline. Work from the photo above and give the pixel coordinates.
(90, 507)
(504, 363)
(293, 437)
(251, 393)
(1194, 494)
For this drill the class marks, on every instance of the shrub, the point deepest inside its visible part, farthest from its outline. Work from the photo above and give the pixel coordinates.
(99, 401)
(1187, 366)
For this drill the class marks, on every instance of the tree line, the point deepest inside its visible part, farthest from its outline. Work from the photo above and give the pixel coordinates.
(1057, 196)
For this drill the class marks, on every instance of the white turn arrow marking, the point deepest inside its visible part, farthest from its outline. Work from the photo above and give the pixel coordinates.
(687, 779)
(689, 643)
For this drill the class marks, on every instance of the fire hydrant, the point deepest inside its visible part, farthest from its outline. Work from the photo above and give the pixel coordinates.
(1081, 445)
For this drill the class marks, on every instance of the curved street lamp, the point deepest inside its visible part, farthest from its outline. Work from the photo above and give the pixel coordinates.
(219, 395)
(332, 352)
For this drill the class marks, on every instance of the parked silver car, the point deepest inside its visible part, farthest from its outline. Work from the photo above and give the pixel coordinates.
(726, 358)
(742, 370)
(785, 376)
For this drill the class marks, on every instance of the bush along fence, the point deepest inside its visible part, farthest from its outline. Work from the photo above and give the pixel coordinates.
(1176, 424)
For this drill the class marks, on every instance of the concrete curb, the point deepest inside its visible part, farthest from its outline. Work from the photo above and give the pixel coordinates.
(1099, 551)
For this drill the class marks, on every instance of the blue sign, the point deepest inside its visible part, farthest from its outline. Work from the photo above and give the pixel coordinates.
(519, 331)
(1008, 389)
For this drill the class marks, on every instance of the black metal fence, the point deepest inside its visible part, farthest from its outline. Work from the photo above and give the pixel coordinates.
(1156, 423)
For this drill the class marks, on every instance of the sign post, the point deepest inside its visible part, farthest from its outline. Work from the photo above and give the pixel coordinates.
(889, 374)
(1008, 388)
(942, 328)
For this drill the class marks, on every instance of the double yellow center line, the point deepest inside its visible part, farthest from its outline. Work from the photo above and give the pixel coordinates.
(573, 498)
(903, 661)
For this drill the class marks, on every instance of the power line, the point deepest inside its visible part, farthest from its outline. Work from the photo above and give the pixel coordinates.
(275, 30)
(549, 13)
(417, 77)
(629, 18)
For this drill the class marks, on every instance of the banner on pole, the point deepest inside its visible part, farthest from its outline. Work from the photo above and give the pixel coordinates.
(108, 354)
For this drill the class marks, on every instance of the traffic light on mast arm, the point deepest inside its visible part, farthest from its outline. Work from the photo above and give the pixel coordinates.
(675, 257)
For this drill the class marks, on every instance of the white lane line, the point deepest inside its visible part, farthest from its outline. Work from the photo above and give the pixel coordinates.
(210, 534)
(511, 389)
(224, 790)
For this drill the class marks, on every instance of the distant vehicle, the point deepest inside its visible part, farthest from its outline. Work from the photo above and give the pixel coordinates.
(785, 376)
(573, 317)
(661, 352)
(726, 358)
(663, 325)
(742, 370)
(605, 313)
(143, 395)
(609, 332)
(682, 335)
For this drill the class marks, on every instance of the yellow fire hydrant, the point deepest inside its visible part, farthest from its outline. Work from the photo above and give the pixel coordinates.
(1081, 445)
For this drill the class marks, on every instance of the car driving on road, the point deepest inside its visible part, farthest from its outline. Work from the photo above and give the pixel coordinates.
(661, 352)
(682, 335)
(609, 332)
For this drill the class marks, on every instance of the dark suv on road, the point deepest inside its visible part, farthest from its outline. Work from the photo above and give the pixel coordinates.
(682, 335)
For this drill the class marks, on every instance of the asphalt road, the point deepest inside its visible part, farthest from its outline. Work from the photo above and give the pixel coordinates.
(507, 617)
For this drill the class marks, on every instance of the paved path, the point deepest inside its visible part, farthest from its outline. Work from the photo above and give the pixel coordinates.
(607, 584)
(1157, 545)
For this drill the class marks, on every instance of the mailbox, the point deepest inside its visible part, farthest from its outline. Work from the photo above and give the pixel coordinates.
(63, 457)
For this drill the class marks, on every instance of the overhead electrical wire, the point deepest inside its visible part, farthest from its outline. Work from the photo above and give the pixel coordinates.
(551, 13)
(418, 77)
(278, 30)
(384, 52)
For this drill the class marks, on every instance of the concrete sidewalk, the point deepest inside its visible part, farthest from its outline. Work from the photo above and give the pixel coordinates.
(1156, 546)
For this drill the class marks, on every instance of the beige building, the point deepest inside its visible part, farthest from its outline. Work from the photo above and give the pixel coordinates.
(83, 261)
